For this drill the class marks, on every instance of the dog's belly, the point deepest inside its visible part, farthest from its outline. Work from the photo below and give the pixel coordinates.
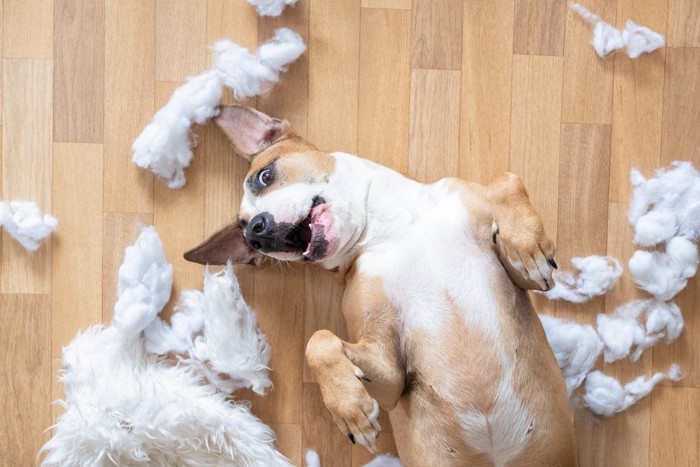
(469, 340)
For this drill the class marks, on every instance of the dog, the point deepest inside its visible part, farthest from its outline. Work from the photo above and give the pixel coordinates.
(444, 335)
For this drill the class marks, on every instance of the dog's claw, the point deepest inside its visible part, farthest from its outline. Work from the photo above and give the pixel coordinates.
(351, 437)
(495, 236)
(553, 263)
(364, 378)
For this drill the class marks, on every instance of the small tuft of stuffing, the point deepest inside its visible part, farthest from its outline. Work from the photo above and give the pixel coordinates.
(312, 458)
(25, 223)
(271, 7)
(384, 460)
(596, 275)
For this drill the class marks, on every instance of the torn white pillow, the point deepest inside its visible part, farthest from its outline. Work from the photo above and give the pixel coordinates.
(575, 346)
(271, 7)
(25, 223)
(144, 284)
(607, 38)
(165, 145)
(606, 396)
(596, 275)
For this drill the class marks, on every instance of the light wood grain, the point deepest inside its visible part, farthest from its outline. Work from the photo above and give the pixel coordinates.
(391, 4)
(129, 101)
(486, 89)
(680, 138)
(27, 29)
(76, 272)
(319, 431)
(384, 91)
(26, 165)
(538, 28)
(433, 147)
(334, 45)
(25, 389)
(437, 34)
(683, 23)
(235, 20)
(289, 441)
(674, 427)
(588, 80)
(78, 103)
(181, 33)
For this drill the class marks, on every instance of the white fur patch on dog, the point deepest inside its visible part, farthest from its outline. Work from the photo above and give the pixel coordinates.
(25, 223)
(607, 39)
(596, 275)
(164, 146)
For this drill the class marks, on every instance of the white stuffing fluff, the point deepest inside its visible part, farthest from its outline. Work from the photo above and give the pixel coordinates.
(382, 460)
(665, 273)
(607, 38)
(25, 223)
(165, 145)
(576, 348)
(596, 275)
(271, 7)
(624, 335)
(126, 405)
(606, 396)
(219, 332)
(144, 284)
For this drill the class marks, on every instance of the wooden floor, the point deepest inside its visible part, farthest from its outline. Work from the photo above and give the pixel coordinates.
(431, 88)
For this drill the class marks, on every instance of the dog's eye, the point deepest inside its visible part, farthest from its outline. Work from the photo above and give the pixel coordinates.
(265, 176)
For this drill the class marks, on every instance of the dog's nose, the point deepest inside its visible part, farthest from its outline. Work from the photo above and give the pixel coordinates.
(258, 230)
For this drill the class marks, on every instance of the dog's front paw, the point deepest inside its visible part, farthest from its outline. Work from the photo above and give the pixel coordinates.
(352, 408)
(525, 249)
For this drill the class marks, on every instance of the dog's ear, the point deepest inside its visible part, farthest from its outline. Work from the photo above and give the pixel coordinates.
(250, 131)
(226, 244)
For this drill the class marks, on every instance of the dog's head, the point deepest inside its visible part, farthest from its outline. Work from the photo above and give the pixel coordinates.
(292, 208)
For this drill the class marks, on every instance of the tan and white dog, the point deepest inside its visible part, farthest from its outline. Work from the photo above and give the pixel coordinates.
(445, 337)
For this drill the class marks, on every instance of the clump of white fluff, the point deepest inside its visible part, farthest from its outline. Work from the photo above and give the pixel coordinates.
(144, 284)
(606, 396)
(219, 331)
(575, 346)
(127, 407)
(624, 335)
(665, 273)
(25, 223)
(634, 38)
(596, 275)
(271, 7)
(382, 460)
(165, 145)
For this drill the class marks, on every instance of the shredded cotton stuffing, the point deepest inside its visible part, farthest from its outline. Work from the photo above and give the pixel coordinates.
(271, 7)
(164, 146)
(382, 460)
(596, 275)
(25, 223)
(634, 38)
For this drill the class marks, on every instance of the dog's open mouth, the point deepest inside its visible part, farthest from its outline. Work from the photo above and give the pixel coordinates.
(308, 235)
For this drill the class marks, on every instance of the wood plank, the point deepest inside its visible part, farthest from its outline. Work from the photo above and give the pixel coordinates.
(392, 4)
(289, 441)
(181, 27)
(120, 229)
(25, 389)
(26, 165)
(27, 29)
(535, 131)
(486, 89)
(384, 90)
(334, 48)
(289, 97)
(674, 427)
(320, 433)
(232, 19)
(588, 80)
(76, 276)
(279, 302)
(683, 23)
(437, 34)
(78, 104)
(178, 215)
(680, 139)
(539, 26)
(129, 101)
(433, 148)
